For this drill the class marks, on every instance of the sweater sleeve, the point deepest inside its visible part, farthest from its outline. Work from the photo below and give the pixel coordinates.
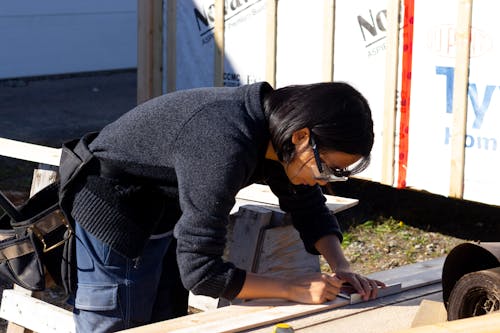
(211, 167)
(306, 205)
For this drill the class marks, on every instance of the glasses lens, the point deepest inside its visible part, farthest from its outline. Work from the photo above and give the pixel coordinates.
(333, 175)
(341, 172)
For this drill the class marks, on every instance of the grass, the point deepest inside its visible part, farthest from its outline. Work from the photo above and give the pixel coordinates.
(386, 243)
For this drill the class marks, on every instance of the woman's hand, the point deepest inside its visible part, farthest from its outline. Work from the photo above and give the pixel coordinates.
(329, 246)
(313, 288)
(367, 288)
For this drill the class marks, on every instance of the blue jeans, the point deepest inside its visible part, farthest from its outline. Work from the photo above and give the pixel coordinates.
(115, 293)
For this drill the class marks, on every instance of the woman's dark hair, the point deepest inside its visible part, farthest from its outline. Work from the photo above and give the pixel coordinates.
(337, 115)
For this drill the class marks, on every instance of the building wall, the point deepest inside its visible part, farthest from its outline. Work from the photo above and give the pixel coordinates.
(66, 36)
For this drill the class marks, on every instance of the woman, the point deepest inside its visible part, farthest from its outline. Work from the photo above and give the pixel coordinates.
(152, 203)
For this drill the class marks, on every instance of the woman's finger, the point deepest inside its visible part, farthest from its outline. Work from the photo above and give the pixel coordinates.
(335, 281)
(374, 289)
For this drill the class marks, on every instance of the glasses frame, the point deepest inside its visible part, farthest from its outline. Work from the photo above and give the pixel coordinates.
(326, 173)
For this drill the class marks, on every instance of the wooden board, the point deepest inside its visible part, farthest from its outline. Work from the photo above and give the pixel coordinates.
(413, 276)
(283, 254)
(29, 152)
(271, 40)
(245, 235)
(34, 314)
(262, 194)
(391, 89)
(149, 49)
(231, 319)
(429, 312)
(382, 315)
(171, 47)
(481, 324)
(460, 102)
(219, 31)
(264, 312)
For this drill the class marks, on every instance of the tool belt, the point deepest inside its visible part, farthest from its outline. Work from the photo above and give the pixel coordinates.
(32, 238)
(38, 236)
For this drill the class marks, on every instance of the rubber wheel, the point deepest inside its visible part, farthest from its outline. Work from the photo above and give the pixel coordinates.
(475, 294)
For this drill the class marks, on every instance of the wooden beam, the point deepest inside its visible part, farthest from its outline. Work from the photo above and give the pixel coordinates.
(262, 194)
(271, 40)
(429, 312)
(253, 314)
(171, 47)
(386, 314)
(219, 44)
(413, 276)
(30, 152)
(328, 39)
(34, 314)
(460, 88)
(391, 88)
(481, 324)
(263, 312)
(245, 236)
(149, 49)
(282, 253)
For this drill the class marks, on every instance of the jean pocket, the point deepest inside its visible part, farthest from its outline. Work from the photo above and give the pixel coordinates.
(96, 297)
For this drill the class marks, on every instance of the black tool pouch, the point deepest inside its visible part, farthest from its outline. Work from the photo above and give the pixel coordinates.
(76, 162)
(32, 238)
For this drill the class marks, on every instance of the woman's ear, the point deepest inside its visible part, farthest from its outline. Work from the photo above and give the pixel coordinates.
(301, 136)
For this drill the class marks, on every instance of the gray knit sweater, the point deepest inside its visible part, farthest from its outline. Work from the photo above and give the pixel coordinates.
(201, 146)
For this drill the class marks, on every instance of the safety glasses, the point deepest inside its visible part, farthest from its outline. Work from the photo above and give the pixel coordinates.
(325, 172)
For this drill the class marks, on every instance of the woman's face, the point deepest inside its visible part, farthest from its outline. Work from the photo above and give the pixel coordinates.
(303, 169)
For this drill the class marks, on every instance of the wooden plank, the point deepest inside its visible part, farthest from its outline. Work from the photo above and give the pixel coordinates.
(171, 47)
(244, 235)
(15, 327)
(219, 44)
(481, 324)
(42, 177)
(149, 49)
(29, 152)
(215, 315)
(252, 203)
(414, 275)
(328, 39)
(279, 310)
(229, 320)
(391, 87)
(460, 89)
(262, 194)
(35, 314)
(283, 254)
(429, 312)
(385, 314)
(271, 37)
